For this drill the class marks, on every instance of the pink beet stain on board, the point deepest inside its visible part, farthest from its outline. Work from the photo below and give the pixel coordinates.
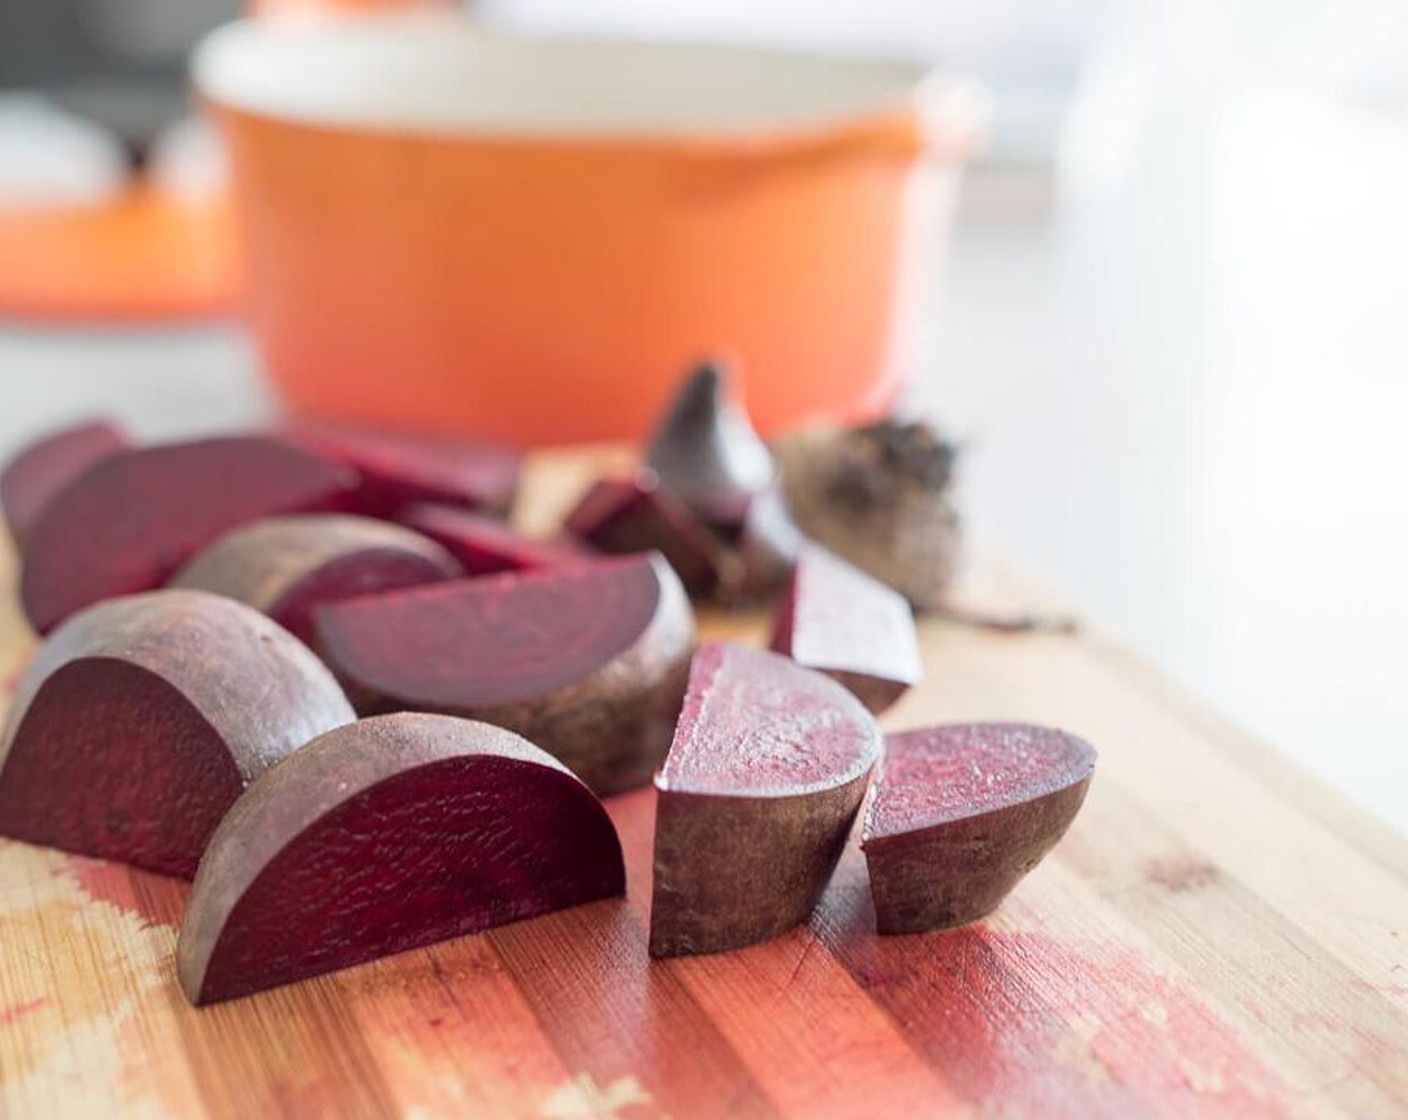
(1025, 1023)
(153, 900)
(14, 1014)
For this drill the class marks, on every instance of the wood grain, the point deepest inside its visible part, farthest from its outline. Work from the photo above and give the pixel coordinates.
(1218, 936)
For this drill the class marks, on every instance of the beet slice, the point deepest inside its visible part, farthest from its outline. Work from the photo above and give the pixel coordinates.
(286, 566)
(768, 767)
(850, 626)
(132, 519)
(37, 474)
(141, 719)
(399, 468)
(384, 835)
(623, 515)
(768, 545)
(588, 662)
(485, 546)
(705, 451)
(961, 812)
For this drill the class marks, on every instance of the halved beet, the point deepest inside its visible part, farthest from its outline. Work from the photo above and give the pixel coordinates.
(623, 515)
(960, 813)
(485, 546)
(398, 468)
(382, 836)
(37, 474)
(768, 767)
(850, 626)
(132, 519)
(705, 451)
(286, 566)
(141, 719)
(588, 662)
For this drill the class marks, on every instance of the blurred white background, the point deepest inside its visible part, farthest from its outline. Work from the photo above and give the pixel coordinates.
(1171, 332)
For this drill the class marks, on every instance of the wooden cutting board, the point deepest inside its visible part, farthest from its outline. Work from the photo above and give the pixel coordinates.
(1219, 935)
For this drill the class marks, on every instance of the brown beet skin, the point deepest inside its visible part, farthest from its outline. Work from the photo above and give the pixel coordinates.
(485, 546)
(767, 769)
(141, 719)
(960, 813)
(384, 835)
(40, 472)
(588, 662)
(839, 621)
(286, 567)
(624, 515)
(401, 468)
(127, 523)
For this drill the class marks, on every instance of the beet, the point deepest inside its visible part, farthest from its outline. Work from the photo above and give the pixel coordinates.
(485, 546)
(141, 719)
(286, 566)
(588, 662)
(841, 622)
(768, 545)
(960, 813)
(37, 474)
(384, 835)
(624, 515)
(705, 451)
(132, 519)
(399, 468)
(768, 767)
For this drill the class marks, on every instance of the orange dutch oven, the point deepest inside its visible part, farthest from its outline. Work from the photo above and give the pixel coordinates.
(530, 239)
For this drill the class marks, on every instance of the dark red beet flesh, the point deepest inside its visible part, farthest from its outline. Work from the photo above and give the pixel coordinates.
(839, 621)
(767, 547)
(589, 662)
(130, 521)
(706, 453)
(621, 515)
(141, 720)
(37, 474)
(286, 567)
(767, 769)
(382, 836)
(399, 468)
(961, 813)
(485, 546)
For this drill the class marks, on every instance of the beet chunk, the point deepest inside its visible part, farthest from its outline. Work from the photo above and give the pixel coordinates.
(37, 474)
(399, 468)
(705, 451)
(485, 546)
(768, 767)
(841, 622)
(623, 515)
(960, 813)
(588, 662)
(131, 520)
(141, 719)
(384, 835)
(286, 566)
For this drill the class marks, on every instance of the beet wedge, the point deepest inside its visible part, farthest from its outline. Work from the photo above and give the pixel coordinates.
(126, 524)
(705, 451)
(625, 515)
(960, 813)
(767, 769)
(839, 621)
(141, 720)
(400, 468)
(382, 836)
(485, 546)
(286, 566)
(588, 662)
(37, 475)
